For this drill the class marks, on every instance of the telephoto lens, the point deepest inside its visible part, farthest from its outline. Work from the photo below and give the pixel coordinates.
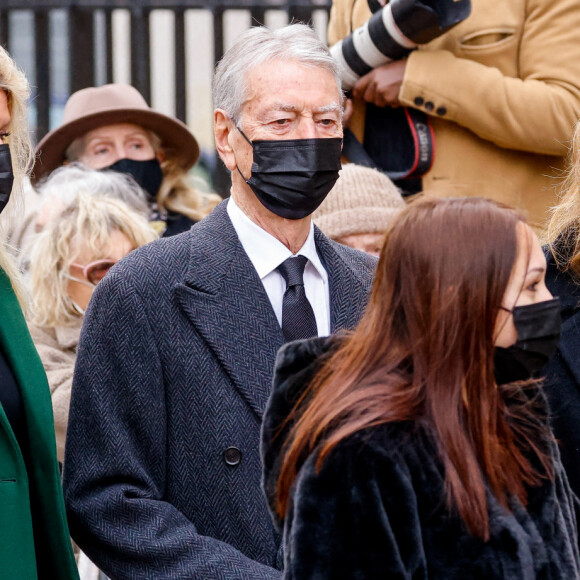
(393, 32)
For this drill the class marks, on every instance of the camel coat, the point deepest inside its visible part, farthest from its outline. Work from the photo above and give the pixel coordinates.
(57, 348)
(503, 92)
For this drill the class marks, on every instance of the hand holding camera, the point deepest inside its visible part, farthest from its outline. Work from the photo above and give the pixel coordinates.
(382, 85)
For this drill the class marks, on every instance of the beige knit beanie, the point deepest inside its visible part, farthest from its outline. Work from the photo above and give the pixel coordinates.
(363, 201)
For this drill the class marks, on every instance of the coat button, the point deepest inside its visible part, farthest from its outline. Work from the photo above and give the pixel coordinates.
(441, 111)
(419, 101)
(429, 106)
(232, 456)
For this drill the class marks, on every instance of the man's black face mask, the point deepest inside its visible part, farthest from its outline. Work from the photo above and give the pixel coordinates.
(291, 178)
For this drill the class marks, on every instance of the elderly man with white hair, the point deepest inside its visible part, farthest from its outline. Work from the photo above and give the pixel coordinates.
(162, 464)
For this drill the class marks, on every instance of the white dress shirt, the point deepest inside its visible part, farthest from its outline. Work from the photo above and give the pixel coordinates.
(266, 253)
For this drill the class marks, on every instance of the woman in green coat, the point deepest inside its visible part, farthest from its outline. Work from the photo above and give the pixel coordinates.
(34, 536)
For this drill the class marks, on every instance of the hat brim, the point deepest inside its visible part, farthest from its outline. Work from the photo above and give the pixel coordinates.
(176, 139)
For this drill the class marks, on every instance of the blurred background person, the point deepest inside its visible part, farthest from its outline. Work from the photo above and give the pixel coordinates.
(69, 258)
(419, 445)
(112, 127)
(500, 97)
(359, 208)
(61, 188)
(34, 537)
(563, 280)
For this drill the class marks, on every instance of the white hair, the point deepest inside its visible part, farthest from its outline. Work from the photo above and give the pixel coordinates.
(66, 183)
(296, 42)
(85, 224)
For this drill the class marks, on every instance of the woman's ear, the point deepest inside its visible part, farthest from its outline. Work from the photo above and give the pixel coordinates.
(222, 130)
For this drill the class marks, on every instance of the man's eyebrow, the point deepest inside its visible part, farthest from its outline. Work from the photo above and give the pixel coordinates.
(293, 108)
(328, 108)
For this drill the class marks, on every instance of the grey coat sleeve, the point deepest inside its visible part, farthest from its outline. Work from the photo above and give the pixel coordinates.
(114, 473)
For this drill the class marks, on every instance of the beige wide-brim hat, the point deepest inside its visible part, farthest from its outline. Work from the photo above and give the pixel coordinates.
(95, 107)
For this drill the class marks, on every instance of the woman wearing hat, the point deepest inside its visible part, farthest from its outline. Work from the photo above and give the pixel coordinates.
(34, 536)
(112, 127)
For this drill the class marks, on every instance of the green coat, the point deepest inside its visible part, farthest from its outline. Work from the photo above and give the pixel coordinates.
(17, 550)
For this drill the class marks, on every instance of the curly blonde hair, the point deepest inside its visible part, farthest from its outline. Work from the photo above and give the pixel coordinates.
(563, 232)
(14, 84)
(86, 223)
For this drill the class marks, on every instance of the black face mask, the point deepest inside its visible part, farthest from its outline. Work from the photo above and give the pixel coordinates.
(538, 328)
(291, 178)
(147, 174)
(6, 175)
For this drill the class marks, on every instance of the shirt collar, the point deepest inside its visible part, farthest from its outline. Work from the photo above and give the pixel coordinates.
(264, 250)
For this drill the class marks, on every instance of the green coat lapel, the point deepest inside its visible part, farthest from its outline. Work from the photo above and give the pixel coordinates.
(44, 476)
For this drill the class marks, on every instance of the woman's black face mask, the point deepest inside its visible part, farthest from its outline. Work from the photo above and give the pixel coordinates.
(147, 174)
(6, 175)
(291, 178)
(538, 329)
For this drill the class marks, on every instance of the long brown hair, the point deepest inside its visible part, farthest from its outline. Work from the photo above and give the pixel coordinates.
(424, 352)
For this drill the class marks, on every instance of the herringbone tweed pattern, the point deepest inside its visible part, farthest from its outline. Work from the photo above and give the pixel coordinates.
(174, 368)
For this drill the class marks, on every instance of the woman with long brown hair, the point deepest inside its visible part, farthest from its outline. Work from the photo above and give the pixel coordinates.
(418, 446)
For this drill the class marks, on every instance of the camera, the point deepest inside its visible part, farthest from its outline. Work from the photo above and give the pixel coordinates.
(393, 32)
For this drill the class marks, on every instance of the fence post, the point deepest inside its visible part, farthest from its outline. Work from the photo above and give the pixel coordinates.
(4, 30)
(140, 51)
(81, 48)
(180, 101)
(42, 72)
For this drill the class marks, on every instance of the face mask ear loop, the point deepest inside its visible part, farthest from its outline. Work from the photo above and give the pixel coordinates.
(251, 145)
(85, 282)
(244, 135)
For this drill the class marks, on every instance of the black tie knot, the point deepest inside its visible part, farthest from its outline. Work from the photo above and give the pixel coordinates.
(292, 270)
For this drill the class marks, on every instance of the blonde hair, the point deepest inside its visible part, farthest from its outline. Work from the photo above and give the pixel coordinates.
(66, 182)
(176, 193)
(14, 84)
(85, 224)
(563, 232)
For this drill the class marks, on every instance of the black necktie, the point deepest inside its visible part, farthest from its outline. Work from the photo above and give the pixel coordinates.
(298, 319)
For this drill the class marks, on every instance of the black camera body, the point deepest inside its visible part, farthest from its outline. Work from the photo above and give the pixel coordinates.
(393, 32)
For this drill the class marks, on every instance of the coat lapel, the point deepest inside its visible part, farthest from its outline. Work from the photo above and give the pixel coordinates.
(29, 374)
(224, 298)
(348, 292)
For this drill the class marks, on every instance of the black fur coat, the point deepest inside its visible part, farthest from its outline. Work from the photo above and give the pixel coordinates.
(377, 507)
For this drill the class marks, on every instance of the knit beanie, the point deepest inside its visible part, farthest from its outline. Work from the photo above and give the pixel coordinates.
(363, 201)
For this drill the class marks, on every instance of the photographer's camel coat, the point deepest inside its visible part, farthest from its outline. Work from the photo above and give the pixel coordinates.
(502, 90)
(174, 368)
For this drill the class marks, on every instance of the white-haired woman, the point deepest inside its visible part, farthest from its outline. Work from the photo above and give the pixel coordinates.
(34, 537)
(60, 189)
(112, 127)
(68, 259)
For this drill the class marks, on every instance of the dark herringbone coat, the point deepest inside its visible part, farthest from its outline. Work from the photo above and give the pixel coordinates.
(174, 368)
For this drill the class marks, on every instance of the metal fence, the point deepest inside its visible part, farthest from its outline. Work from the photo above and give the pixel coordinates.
(165, 48)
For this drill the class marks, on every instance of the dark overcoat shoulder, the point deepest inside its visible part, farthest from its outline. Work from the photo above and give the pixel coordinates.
(562, 382)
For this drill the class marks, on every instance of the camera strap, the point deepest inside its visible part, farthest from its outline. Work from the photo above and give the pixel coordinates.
(398, 141)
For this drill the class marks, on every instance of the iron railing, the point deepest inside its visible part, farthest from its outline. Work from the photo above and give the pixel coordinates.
(77, 37)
